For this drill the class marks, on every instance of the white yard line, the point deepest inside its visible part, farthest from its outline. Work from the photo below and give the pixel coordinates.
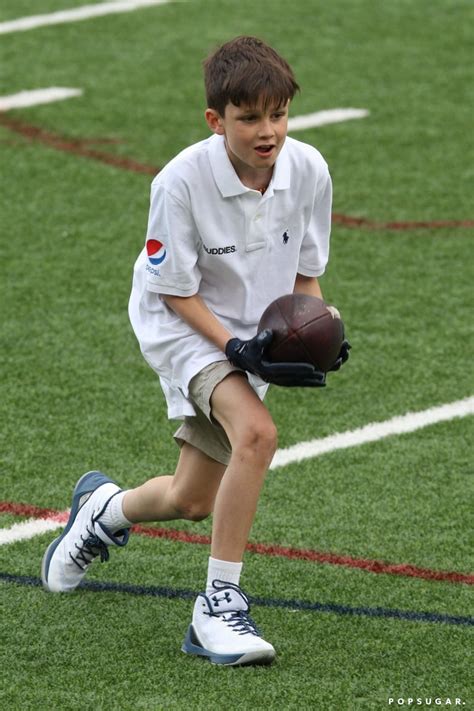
(76, 14)
(371, 433)
(36, 97)
(323, 118)
(305, 450)
(28, 529)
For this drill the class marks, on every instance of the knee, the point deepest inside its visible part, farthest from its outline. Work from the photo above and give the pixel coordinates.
(195, 513)
(191, 510)
(258, 440)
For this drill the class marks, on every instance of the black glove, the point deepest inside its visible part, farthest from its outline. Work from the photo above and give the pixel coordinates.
(343, 355)
(250, 355)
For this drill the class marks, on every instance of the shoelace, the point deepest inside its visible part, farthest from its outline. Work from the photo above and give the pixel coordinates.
(240, 622)
(91, 547)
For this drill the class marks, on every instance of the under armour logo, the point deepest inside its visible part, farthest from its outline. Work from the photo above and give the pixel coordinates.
(286, 237)
(217, 600)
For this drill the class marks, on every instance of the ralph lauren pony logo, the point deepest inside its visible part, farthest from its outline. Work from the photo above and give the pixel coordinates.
(286, 237)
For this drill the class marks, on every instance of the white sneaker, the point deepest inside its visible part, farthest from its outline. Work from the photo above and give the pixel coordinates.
(223, 631)
(68, 557)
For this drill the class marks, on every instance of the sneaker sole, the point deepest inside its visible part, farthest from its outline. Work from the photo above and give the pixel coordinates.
(263, 656)
(87, 484)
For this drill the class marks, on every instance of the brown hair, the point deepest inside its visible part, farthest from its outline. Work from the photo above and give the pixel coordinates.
(246, 70)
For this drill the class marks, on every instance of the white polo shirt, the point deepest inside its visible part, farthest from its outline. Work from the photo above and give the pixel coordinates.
(209, 234)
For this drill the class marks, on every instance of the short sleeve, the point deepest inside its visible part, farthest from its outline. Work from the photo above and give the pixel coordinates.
(171, 246)
(314, 251)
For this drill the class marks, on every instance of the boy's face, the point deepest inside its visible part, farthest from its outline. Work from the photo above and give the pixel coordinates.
(254, 136)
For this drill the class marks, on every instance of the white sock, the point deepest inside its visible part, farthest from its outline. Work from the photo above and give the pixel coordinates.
(113, 517)
(222, 570)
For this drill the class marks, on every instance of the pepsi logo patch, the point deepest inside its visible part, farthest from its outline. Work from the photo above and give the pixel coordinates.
(156, 251)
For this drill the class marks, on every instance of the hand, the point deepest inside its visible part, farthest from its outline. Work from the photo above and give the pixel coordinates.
(345, 348)
(250, 355)
(342, 357)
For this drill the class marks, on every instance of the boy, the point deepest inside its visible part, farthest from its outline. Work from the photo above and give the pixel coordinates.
(236, 221)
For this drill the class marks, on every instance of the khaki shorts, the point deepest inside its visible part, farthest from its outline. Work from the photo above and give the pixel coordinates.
(202, 430)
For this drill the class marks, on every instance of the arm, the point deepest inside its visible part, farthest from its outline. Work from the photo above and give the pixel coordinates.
(194, 311)
(310, 286)
(247, 355)
(307, 285)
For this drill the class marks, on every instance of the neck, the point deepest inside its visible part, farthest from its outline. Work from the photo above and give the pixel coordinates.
(254, 179)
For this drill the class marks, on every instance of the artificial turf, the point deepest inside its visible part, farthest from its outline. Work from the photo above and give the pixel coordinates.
(76, 395)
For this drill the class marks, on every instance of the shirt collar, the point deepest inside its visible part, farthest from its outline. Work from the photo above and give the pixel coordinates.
(227, 179)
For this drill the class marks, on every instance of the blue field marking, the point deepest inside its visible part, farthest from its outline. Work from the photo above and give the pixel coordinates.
(303, 605)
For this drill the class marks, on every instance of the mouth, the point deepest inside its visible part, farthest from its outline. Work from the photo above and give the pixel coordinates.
(264, 150)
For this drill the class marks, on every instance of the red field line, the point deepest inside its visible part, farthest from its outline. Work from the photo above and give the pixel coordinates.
(347, 221)
(76, 146)
(80, 147)
(371, 566)
(8, 507)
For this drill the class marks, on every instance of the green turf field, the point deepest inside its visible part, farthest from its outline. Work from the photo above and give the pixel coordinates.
(77, 395)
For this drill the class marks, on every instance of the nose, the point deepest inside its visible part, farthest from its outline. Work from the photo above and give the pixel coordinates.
(265, 128)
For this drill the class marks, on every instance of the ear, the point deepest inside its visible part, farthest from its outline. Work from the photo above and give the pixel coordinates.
(214, 121)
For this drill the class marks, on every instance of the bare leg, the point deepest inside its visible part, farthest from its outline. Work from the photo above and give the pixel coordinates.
(189, 494)
(252, 434)
(201, 485)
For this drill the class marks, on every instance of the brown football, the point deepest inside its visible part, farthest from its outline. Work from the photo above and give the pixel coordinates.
(304, 331)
